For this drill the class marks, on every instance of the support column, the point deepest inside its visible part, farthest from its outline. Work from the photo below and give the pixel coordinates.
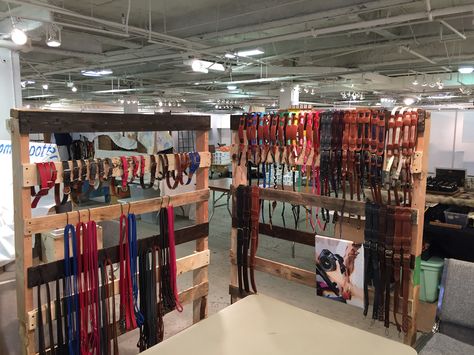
(10, 87)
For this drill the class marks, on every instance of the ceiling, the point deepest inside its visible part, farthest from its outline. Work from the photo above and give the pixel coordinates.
(376, 49)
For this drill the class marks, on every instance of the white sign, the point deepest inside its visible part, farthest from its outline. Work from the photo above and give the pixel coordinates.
(39, 152)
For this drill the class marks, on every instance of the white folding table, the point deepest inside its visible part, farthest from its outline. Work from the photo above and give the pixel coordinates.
(259, 325)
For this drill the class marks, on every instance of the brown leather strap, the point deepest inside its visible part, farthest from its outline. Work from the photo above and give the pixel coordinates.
(175, 174)
(406, 273)
(397, 256)
(255, 213)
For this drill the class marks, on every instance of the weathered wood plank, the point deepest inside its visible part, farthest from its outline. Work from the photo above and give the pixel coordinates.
(55, 270)
(292, 235)
(202, 211)
(32, 121)
(23, 239)
(50, 222)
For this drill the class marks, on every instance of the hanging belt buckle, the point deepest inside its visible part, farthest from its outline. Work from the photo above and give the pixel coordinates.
(388, 253)
(397, 257)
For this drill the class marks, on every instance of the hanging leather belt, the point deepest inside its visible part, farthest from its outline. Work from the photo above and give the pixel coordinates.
(241, 135)
(166, 287)
(371, 258)
(172, 248)
(152, 172)
(389, 252)
(266, 138)
(255, 210)
(66, 185)
(240, 203)
(127, 318)
(406, 257)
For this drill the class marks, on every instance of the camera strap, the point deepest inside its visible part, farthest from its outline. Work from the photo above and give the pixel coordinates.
(255, 210)
(371, 257)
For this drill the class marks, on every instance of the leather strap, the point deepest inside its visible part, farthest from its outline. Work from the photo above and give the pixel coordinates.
(166, 288)
(152, 171)
(173, 268)
(255, 211)
(240, 233)
(48, 174)
(127, 318)
(176, 174)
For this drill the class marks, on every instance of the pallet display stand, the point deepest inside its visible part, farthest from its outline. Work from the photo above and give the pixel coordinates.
(306, 277)
(26, 122)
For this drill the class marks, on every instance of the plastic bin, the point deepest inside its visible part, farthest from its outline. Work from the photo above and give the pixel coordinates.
(456, 215)
(430, 277)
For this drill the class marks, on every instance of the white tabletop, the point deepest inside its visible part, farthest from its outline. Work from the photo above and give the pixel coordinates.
(259, 325)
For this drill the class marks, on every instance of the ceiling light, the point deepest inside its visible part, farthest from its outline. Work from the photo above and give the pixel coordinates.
(466, 70)
(231, 87)
(312, 92)
(70, 84)
(96, 73)
(282, 89)
(424, 84)
(53, 36)
(415, 82)
(160, 103)
(45, 86)
(74, 89)
(440, 86)
(229, 55)
(18, 36)
(250, 52)
(408, 101)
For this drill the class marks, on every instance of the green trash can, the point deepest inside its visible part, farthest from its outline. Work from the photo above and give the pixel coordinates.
(430, 278)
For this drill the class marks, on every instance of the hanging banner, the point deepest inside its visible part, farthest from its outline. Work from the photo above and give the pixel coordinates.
(340, 270)
(39, 152)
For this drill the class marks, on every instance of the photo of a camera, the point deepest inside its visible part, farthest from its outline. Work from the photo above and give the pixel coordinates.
(327, 261)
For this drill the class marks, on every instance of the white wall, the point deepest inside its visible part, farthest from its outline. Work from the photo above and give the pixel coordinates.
(10, 89)
(452, 140)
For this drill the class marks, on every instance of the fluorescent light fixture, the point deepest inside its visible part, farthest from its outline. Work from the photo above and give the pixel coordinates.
(408, 101)
(229, 55)
(250, 52)
(45, 86)
(74, 89)
(18, 36)
(38, 96)
(203, 66)
(231, 87)
(96, 73)
(53, 36)
(442, 97)
(466, 70)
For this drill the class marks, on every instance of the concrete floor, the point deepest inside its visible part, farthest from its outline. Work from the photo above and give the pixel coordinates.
(219, 272)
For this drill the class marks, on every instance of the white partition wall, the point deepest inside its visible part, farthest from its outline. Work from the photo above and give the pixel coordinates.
(452, 140)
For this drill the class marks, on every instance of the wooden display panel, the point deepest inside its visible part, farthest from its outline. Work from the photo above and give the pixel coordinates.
(355, 208)
(24, 122)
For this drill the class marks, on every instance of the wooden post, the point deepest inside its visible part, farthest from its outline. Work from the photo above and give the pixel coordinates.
(23, 242)
(418, 202)
(202, 215)
(239, 177)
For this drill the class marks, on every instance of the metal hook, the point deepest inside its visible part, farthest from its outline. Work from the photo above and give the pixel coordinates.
(128, 207)
(169, 200)
(78, 216)
(121, 209)
(89, 210)
(67, 218)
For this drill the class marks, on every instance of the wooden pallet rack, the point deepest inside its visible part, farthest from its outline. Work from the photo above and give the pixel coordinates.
(24, 122)
(308, 277)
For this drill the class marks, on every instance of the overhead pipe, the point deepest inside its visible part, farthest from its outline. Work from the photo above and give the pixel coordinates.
(428, 10)
(443, 22)
(291, 36)
(411, 51)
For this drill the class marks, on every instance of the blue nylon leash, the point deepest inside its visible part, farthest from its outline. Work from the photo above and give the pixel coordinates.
(133, 246)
